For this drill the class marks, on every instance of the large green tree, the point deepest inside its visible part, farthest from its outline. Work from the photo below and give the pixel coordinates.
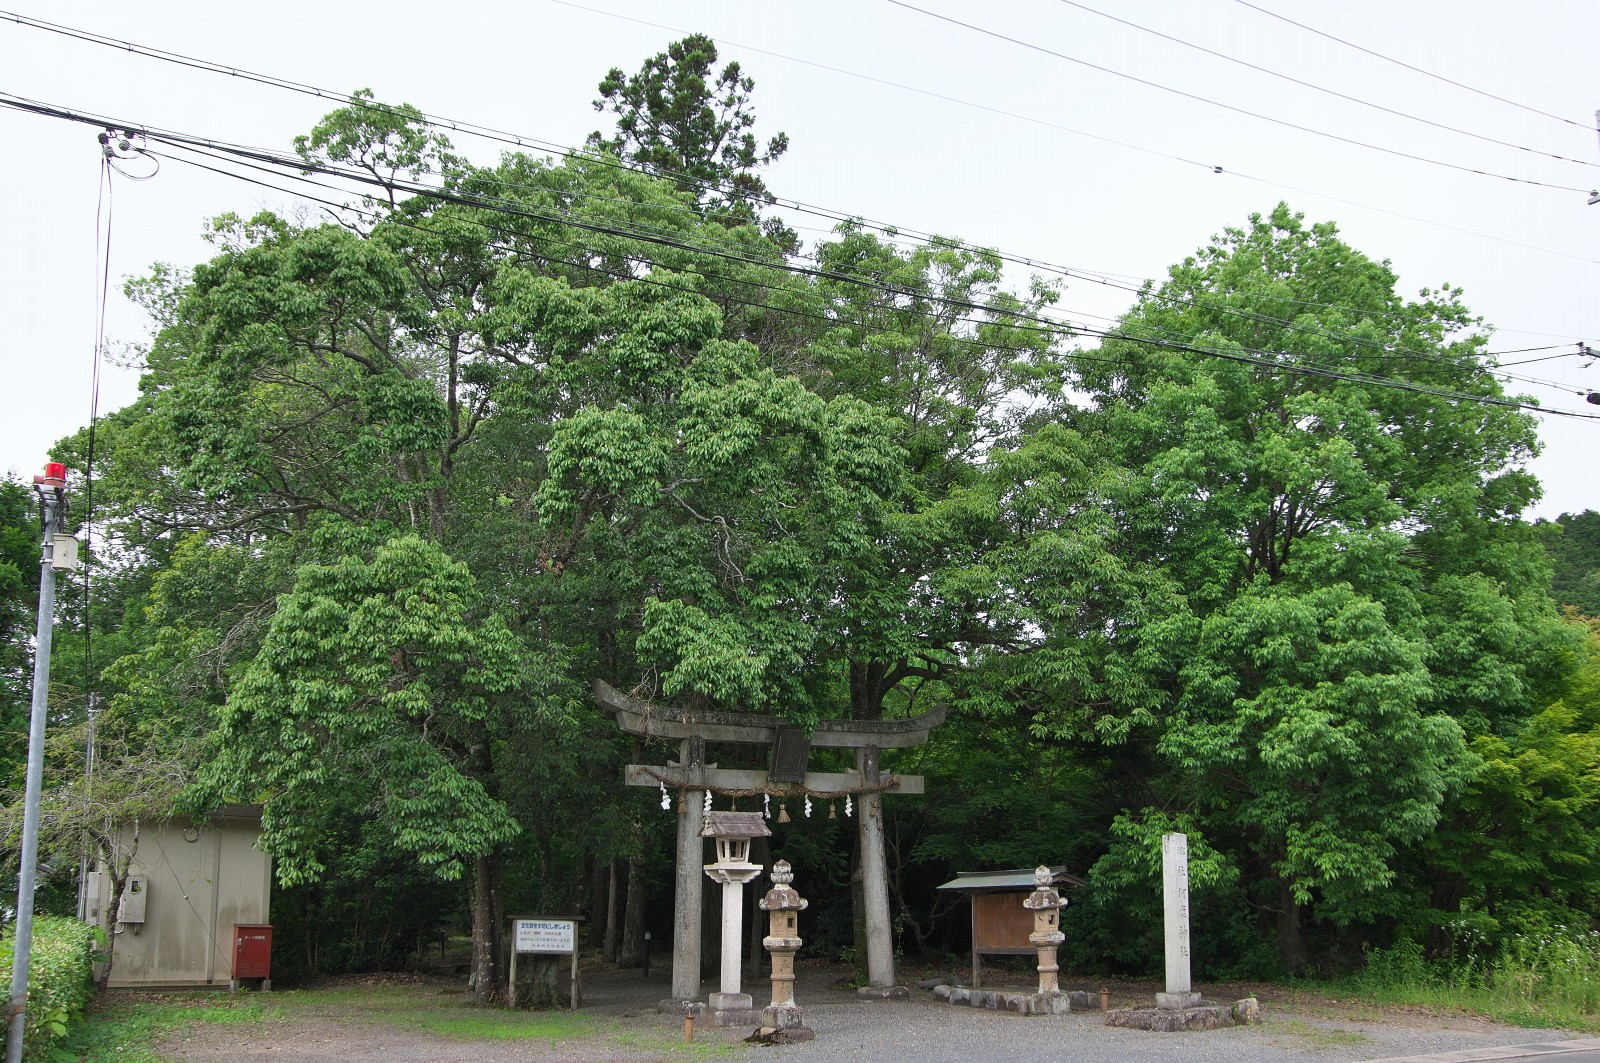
(1353, 594)
(682, 118)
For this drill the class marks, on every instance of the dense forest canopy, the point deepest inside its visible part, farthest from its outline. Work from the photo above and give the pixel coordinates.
(401, 483)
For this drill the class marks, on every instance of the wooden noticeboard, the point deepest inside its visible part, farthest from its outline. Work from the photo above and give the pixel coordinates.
(536, 935)
(1000, 924)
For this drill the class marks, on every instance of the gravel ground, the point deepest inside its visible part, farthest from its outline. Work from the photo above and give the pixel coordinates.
(923, 1030)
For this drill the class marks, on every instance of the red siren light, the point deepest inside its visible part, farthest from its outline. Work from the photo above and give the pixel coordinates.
(55, 475)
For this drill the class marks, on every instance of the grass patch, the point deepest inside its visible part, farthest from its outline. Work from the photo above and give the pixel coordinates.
(1551, 980)
(128, 1030)
(1316, 1036)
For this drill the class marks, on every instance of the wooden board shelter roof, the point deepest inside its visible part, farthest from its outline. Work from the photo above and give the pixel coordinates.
(1020, 880)
(657, 721)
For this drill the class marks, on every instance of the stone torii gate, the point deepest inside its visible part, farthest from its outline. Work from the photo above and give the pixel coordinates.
(693, 777)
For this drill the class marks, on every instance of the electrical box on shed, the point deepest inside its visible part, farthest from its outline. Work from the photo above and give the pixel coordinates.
(252, 950)
(134, 891)
(93, 896)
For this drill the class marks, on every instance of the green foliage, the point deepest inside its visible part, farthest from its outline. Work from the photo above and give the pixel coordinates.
(1548, 976)
(1575, 554)
(59, 980)
(373, 689)
(398, 487)
(681, 118)
(1351, 595)
(19, 598)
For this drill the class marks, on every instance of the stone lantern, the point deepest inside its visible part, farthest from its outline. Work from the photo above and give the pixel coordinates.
(1046, 903)
(783, 905)
(732, 832)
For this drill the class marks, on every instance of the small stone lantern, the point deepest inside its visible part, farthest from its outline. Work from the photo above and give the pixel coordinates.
(1046, 902)
(732, 832)
(783, 905)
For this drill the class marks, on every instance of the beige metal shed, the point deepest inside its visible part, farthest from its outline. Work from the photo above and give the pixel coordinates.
(190, 883)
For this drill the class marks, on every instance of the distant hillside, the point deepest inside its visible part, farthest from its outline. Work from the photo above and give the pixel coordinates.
(1576, 556)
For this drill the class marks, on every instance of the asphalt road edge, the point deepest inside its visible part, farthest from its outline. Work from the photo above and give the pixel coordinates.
(1549, 1048)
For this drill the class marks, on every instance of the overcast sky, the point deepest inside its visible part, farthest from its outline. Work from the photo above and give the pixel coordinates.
(893, 114)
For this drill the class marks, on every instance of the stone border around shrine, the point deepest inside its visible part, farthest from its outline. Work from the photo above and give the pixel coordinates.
(1174, 1020)
(1058, 1003)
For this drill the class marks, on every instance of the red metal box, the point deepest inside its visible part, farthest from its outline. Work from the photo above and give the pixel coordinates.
(252, 950)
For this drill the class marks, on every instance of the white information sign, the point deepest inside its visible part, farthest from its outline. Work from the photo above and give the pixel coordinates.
(546, 935)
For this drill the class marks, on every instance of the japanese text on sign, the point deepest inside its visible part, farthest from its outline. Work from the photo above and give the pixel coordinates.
(546, 935)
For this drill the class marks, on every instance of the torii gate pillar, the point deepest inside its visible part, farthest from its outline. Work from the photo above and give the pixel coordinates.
(690, 880)
(875, 886)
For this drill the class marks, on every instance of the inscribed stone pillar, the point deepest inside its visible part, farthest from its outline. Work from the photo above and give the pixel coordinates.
(1175, 900)
(688, 886)
(732, 947)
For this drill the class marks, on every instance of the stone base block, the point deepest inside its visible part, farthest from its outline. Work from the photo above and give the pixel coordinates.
(674, 1006)
(1057, 1003)
(781, 1016)
(1173, 1020)
(706, 1015)
(730, 1002)
(884, 992)
(1177, 1001)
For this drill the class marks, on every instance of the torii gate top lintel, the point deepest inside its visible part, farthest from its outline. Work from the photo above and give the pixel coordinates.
(656, 721)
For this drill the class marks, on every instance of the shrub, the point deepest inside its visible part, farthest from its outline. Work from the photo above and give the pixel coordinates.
(59, 980)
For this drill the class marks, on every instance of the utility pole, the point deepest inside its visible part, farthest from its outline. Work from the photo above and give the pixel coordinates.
(59, 551)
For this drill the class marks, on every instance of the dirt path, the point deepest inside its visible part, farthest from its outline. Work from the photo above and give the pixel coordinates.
(426, 1021)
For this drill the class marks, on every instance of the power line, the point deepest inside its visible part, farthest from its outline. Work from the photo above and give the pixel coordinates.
(526, 141)
(1051, 125)
(280, 161)
(1454, 51)
(1415, 69)
(1324, 89)
(1274, 360)
(1271, 359)
(1237, 110)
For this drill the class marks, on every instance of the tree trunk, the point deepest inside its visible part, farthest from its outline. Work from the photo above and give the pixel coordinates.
(599, 918)
(755, 918)
(539, 981)
(611, 914)
(633, 921)
(488, 966)
(1291, 937)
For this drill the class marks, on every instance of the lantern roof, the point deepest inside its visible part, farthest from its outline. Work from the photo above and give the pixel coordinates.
(734, 825)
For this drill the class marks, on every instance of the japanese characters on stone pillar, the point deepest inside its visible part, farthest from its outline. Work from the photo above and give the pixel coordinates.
(1175, 898)
(783, 905)
(1045, 903)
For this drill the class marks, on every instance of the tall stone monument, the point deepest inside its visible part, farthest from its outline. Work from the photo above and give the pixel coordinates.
(1175, 902)
(1180, 1007)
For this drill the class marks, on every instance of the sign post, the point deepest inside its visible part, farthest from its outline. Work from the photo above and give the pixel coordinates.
(536, 935)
